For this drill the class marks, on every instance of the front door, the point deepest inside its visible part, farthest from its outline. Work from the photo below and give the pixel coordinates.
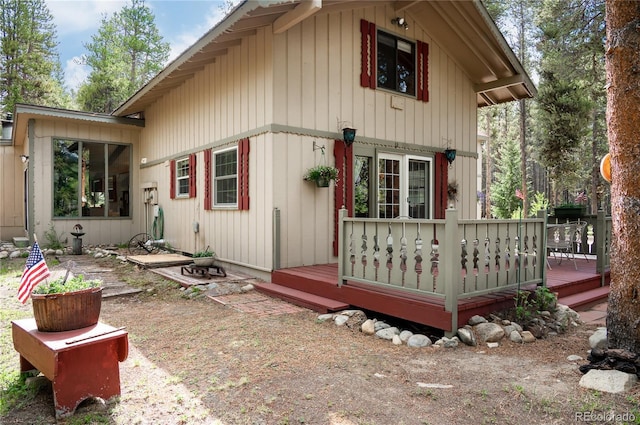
(404, 186)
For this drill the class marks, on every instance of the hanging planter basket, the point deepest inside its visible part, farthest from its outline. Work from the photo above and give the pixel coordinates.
(322, 175)
(321, 182)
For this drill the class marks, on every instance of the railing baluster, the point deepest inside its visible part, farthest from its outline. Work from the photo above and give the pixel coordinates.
(363, 251)
(418, 257)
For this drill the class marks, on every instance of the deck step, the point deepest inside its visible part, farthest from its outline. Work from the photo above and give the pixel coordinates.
(300, 298)
(586, 297)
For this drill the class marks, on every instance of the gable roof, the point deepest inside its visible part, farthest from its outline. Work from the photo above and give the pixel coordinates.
(472, 40)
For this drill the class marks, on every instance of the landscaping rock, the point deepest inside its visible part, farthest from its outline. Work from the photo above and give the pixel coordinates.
(405, 335)
(599, 339)
(514, 336)
(475, 320)
(527, 337)
(340, 319)
(325, 317)
(418, 341)
(489, 332)
(609, 381)
(467, 336)
(387, 333)
(368, 327)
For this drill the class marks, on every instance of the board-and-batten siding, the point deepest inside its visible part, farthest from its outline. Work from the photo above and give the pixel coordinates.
(11, 202)
(316, 75)
(308, 79)
(97, 231)
(228, 97)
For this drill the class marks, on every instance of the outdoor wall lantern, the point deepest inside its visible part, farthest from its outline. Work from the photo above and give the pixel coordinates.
(401, 22)
(450, 154)
(348, 135)
(24, 158)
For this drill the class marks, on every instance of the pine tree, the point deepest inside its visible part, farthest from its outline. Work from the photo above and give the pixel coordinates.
(30, 69)
(623, 102)
(124, 55)
(508, 179)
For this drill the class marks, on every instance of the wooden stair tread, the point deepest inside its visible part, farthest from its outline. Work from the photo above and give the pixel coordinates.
(301, 298)
(585, 297)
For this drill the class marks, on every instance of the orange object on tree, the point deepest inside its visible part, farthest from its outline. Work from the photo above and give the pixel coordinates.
(605, 167)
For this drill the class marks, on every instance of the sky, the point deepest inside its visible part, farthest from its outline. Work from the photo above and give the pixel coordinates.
(181, 23)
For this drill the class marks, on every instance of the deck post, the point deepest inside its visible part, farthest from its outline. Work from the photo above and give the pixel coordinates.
(276, 239)
(451, 241)
(544, 214)
(601, 234)
(342, 213)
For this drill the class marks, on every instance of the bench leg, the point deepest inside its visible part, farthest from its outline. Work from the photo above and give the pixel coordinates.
(88, 371)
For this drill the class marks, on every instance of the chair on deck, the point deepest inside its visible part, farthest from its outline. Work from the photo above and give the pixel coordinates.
(561, 239)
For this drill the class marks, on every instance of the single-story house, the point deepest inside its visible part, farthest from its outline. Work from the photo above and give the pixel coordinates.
(213, 150)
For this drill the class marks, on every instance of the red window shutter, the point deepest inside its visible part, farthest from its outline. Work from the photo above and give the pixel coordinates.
(243, 174)
(367, 54)
(172, 179)
(423, 71)
(207, 179)
(192, 175)
(343, 195)
(442, 179)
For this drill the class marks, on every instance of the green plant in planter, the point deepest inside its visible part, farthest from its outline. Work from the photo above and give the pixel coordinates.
(203, 254)
(321, 174)
(58, 286)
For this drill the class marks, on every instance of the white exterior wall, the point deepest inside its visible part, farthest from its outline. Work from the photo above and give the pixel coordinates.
(212, 110)
(97, 230)
(11, 194)
(306, 79)
(317, 80)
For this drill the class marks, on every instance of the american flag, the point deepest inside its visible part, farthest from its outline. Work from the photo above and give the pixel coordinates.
(582, 197)
(35, 271)
(519, 194)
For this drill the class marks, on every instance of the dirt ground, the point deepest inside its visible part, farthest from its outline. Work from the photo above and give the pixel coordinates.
(196, 361)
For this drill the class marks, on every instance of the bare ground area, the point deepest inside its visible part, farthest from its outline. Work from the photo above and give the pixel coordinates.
(196, 361)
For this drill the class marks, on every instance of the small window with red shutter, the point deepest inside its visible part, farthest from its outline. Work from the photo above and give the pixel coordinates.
(183, 177)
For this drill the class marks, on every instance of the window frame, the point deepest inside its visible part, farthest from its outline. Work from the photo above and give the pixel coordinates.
(179, 178)
(110, 198)
(414, 58)
(404, 182)
(215, 178)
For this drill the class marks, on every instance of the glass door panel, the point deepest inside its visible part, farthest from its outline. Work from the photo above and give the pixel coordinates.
(389, 190)
(418, 188)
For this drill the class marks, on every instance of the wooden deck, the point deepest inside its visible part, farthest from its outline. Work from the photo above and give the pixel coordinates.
(574, 288)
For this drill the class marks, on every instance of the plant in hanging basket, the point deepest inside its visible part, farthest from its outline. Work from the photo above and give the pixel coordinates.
(321, 174)
(61, 305)
(204, 258)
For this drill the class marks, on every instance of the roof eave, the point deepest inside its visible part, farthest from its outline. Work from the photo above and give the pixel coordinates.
(233, 17)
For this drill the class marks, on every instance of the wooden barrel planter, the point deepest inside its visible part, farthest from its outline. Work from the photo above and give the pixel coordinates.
(67, 311)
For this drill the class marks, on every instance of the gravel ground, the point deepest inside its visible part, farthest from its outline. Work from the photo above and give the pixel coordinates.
(196, 361)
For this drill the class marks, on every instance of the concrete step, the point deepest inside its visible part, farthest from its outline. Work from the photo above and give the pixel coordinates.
(300, 298)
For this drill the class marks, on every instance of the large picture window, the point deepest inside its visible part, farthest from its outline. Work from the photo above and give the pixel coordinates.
(90, 179)
(225, 178)
(396, 64)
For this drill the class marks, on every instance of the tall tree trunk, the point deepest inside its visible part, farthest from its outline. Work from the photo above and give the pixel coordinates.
(623, 119)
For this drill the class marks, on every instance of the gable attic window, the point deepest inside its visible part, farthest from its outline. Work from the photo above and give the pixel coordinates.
(392, 63)
(396, 68)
